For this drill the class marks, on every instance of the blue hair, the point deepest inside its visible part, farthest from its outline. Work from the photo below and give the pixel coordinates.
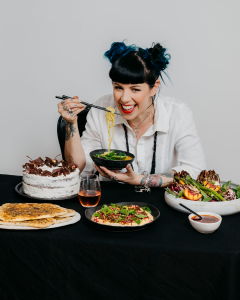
(118, 50)
(145, 65)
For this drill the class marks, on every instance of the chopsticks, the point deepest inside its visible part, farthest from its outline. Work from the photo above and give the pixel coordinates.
(85, 103)
(191, 210)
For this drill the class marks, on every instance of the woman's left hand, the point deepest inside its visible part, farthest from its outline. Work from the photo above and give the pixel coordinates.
(129, 177)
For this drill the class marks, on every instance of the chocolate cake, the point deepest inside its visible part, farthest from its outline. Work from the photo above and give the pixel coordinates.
(50, 178)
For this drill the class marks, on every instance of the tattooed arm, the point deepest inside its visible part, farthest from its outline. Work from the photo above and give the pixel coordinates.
(156, 180)
(69, 109)
(159, 180)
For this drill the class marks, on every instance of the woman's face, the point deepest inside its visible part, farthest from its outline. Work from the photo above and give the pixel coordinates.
(132, 100)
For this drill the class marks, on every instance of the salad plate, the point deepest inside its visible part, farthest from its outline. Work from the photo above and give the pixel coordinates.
(222, 208)
(154, 212)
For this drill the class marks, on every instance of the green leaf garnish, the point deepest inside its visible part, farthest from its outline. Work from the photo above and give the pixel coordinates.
(180, 194)
(141, 216)
(97, 215)
(225, 185)
(124, 211)
(171, 192)
(146, 209)
(237, 192)
(205, 197)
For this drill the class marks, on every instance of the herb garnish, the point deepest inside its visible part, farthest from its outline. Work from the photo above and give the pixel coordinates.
(125, 215)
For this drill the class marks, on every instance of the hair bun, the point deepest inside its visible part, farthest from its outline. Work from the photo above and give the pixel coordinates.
(159, 57)
(117, 50)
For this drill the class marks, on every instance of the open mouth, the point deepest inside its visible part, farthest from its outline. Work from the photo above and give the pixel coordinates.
(127, 109)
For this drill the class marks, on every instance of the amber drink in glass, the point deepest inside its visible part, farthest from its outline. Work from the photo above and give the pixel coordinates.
(90, 190)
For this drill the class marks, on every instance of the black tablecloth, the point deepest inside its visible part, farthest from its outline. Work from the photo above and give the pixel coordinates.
(168, 260)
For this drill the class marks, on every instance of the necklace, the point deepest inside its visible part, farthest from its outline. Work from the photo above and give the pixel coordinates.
(136, 127)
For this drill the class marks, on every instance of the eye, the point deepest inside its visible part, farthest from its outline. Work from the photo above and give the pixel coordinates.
(136, 90)
(118, 88)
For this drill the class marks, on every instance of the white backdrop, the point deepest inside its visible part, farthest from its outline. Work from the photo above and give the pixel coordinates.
(54, 47)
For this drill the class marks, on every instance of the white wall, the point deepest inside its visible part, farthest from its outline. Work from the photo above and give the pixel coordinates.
(54, 47)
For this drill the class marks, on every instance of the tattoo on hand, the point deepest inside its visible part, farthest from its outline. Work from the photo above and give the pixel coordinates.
(70, 130)
(154, 181)
(75, 104)
(63, 102)
(65, 107)
(159, 180)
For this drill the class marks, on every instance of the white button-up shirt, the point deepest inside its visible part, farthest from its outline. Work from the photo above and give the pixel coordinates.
(178, 144)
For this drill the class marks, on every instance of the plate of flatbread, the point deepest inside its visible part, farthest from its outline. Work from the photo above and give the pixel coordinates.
(27, 216)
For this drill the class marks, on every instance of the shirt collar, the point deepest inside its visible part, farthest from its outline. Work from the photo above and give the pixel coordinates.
(161, 119)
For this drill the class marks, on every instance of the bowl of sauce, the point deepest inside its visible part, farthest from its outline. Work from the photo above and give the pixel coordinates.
(208, 224)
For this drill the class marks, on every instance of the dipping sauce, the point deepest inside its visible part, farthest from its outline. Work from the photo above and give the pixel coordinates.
(205, 219)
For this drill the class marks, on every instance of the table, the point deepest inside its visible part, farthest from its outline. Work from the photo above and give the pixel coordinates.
(168, 260)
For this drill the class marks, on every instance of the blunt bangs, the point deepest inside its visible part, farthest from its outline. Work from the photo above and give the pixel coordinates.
(129, 69)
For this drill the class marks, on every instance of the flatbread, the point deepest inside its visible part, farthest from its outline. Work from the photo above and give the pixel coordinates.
(62, 220)
(70, 213)
(14, 212)
(40, 223)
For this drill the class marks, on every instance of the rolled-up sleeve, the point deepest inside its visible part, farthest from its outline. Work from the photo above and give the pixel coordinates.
(190, 156)
(90, 140)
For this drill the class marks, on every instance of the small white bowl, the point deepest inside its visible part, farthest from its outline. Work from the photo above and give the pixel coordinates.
(205, 227)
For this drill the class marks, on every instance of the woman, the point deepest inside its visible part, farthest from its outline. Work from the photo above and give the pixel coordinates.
(158, 130)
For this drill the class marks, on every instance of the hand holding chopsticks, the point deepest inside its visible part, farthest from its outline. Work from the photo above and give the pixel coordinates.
(85, 103)
(70, 108)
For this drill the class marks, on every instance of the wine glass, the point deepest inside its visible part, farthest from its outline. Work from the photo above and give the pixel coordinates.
(90, 190)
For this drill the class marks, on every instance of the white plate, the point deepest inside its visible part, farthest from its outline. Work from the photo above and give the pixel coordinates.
(74, 219)
(222, 208)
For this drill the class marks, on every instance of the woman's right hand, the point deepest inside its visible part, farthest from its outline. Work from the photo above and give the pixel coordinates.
(74, 105)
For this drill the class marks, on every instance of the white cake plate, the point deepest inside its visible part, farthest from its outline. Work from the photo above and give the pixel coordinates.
(18, 189)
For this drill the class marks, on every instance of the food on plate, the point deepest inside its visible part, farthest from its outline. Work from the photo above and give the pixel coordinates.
(190, 195)
(206, 188)
(39, 223)
(208, 176)
(34, 214)
(50, 178)
(62, 220)
(123, 215)
(113, 155)
(205, 219)
(211, 186)
(110, 117)
(30, 211)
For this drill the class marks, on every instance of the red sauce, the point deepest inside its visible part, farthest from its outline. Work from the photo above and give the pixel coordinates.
(205, 219)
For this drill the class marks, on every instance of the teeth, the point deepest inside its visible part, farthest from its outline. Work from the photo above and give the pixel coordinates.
(127, 107)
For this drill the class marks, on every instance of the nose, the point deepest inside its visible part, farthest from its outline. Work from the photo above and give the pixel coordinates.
(126, 97)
